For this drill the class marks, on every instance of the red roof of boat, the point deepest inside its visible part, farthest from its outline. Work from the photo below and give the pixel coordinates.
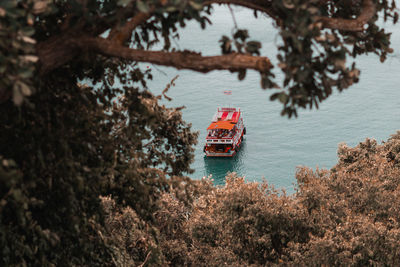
(235, 117)
(224, 125)
(226, 119)
(224, 115)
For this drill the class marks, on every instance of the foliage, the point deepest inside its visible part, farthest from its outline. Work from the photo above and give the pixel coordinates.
(66, 151)
(346, 216)
(17, 46)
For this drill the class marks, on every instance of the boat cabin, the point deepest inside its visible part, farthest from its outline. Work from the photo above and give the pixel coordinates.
(225, 133)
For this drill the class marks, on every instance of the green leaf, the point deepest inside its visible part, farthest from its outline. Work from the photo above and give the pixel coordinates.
(142, 6)
(171, 9)
(241, 34)
(274, 96)
(17, 96)
(253, 47)
(8, 4)
(123, 2)
(288, 4)
(283, 98)
(254, 44)
(24, 73)
(28, 31)
(196, 5)
(242, 74)
(17, 194)
(25, 89)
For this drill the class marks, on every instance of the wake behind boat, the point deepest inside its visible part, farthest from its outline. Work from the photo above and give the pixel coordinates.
(225, 133)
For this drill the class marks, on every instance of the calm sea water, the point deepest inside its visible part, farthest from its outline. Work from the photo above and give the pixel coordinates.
(274, 146)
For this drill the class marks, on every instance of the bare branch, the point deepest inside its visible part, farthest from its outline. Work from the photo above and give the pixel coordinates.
(145, 260)
(123, 34)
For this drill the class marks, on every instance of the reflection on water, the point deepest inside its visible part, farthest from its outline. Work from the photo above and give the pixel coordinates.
(220, 166)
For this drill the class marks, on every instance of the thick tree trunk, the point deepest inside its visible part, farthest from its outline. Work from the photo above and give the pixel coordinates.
(56, 51)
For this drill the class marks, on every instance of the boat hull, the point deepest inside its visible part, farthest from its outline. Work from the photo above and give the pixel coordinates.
(225, 133)
(217, 154)
(231, 153)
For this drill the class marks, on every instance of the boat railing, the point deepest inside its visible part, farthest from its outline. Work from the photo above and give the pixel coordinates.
(219, 154)
(220, 137)
(226, 109)
(224, 140)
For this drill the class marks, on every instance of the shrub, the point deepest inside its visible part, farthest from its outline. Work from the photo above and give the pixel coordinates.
(348, 215)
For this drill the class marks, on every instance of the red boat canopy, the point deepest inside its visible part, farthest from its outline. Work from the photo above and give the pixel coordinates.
(224, 115)
(235, 117)
(223, 125)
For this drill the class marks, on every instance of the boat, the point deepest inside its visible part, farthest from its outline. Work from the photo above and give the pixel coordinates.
(225, 133)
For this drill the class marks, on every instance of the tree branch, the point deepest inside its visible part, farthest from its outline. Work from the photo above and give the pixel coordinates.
(258, 5)
(124, 33)
(58, 50)
(179, 60)
(145, 260)
(368, 11)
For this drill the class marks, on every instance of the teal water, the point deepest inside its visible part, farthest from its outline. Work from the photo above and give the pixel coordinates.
(274, 146)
